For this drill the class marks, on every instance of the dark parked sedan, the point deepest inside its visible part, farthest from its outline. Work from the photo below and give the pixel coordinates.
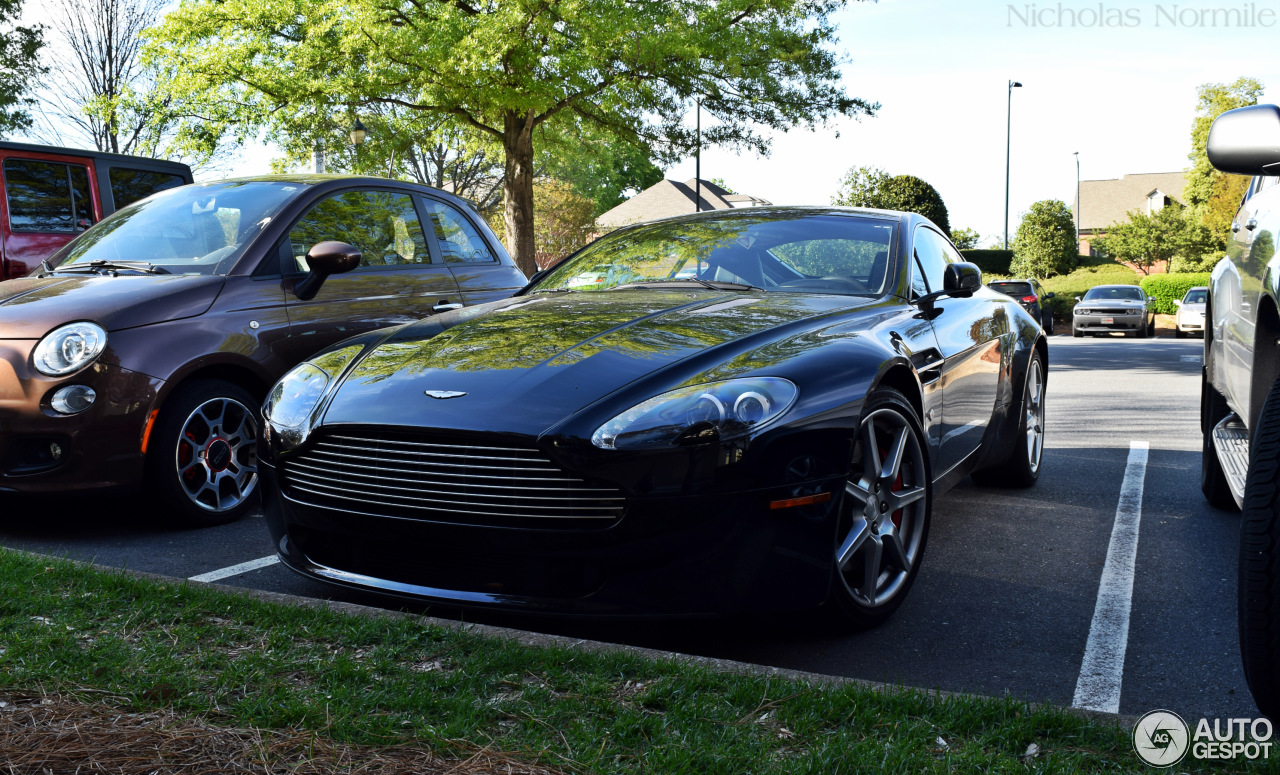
(1032, 296)
(143, 349)
(1106, 309)
(756, 410)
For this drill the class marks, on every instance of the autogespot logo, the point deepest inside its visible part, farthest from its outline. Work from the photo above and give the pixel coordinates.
(1160, 738)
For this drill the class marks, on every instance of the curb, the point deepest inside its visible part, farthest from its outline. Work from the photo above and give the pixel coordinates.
(536, 640)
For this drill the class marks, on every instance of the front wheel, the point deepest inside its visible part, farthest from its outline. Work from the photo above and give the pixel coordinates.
(1258, 596)
(883, 521)
(1178, 333)
(203, 459)
(1077, 333)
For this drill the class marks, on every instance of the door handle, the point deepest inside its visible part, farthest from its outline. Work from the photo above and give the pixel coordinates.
(444, 305)
(1252, 224)
(1235, 226)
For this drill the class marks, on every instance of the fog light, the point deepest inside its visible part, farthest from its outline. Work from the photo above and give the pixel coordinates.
(73, 399)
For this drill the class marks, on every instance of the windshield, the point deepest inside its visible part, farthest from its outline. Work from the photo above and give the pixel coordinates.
(197, 229)
(1115, 292)
(785, 252)
(1012, 289)
(1195, 296)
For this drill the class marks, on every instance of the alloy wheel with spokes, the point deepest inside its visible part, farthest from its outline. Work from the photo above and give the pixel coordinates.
(1033, 410)
(205, 456)
(884, 517)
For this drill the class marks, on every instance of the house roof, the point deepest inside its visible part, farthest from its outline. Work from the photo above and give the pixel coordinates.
(1104, 202)
(668, 197)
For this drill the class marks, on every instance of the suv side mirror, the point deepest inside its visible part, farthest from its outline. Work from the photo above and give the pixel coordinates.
(1151, 299)
(1050, 295)
(1246, 141)
(324, 259)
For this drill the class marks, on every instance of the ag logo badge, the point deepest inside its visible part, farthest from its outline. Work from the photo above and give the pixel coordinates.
(1161, 738)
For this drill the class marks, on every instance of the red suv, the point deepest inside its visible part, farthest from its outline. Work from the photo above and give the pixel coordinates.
(53, 194)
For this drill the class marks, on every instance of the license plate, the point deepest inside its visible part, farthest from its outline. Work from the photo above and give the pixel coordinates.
(1108, 321)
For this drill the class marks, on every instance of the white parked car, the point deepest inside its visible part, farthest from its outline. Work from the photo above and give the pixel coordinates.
(1190, 316)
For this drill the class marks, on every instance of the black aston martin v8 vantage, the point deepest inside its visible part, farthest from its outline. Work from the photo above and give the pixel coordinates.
(715, 413)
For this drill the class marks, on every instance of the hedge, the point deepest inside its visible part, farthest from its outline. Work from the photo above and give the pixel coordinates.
(1167, 288)
(990, 261)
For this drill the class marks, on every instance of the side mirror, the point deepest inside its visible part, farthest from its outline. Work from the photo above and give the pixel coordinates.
(1246, 141)
(1151, 299)
(1051, 295)
(1077, 299)
(324, 259)
(1177, 302)
(961, 279)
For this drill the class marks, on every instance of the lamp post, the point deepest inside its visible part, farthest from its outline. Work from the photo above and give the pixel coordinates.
(697, 160)
(358, 134)
(1008, 145)
(1077, 155)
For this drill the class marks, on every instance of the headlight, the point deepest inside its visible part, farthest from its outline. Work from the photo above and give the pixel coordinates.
(293, 401)
(704, 413)
(69, 348)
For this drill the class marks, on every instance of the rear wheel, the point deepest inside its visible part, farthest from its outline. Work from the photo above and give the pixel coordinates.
(1259, 568)
(1021, 467)
(1048, 323)
(203, 453)
(883, 523)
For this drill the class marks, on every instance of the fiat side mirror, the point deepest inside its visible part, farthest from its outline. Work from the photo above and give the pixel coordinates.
(324, 259)
(1246, 141)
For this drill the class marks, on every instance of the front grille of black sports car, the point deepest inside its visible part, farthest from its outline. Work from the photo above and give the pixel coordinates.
(445, 479)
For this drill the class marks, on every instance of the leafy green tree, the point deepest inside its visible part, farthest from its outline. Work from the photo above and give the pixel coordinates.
(966, 239)
(1172, 234)
(20, 66)
(1045, 244)
(873, 187)
(511, 68)
(1212, 195)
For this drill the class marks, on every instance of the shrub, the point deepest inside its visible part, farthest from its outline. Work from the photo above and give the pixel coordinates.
(989, 261)
(1046, 242)
(1167, 288)
(1068, 286)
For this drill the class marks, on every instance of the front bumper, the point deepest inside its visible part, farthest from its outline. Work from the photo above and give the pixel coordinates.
(1193, 322)
(1100, 322)
(666, 555)
(98, 449)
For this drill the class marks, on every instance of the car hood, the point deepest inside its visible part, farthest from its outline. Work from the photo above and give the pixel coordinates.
(1192, 308)
(530, 362)
(1110, 303)
(30, 307)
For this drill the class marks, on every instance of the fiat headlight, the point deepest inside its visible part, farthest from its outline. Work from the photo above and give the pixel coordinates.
(719, 411)
(293, 401)
(69, 348)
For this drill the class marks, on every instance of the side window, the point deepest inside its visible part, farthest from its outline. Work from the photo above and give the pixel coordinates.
(459, 241)
(918, 287)
(931, 252)
(383, 225)
(129, 185)
(47, 196)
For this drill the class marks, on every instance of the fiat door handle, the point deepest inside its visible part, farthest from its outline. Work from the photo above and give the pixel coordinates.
(444, 305)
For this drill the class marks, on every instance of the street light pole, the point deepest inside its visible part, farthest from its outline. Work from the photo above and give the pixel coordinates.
(1077, 155)
(697, 161)
(1008, 145)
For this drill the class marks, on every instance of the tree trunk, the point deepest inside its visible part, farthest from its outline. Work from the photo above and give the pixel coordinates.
(517, 180)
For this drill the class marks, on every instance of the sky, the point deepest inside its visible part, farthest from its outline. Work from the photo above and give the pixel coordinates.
(1115, 81)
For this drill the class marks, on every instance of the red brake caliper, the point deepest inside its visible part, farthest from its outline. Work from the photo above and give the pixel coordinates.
(897, 487)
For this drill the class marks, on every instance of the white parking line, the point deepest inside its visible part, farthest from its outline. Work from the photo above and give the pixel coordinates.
(1098, 687)
(236, 570)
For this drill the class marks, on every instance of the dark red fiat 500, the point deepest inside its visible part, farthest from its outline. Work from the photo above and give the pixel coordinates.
(141, 351)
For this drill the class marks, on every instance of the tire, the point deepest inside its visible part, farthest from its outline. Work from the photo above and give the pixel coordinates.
(1048, 328)
(1020, 466)
(1213, 482)
(202, 460)
(1151, 327)
(1178, 333)
(1077, 333)
(873, 540)
(1258, 596)
(1141, 333)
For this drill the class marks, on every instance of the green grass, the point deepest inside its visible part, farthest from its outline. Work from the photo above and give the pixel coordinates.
(377, 681)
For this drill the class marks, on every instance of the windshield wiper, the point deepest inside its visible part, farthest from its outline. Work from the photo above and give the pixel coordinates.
(102, 266)
(715, 285)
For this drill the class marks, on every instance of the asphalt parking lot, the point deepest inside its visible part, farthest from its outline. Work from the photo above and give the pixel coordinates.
(1007, 601)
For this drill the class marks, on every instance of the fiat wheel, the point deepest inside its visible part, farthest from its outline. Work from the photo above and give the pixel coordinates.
(203, 453)
(883, 521)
